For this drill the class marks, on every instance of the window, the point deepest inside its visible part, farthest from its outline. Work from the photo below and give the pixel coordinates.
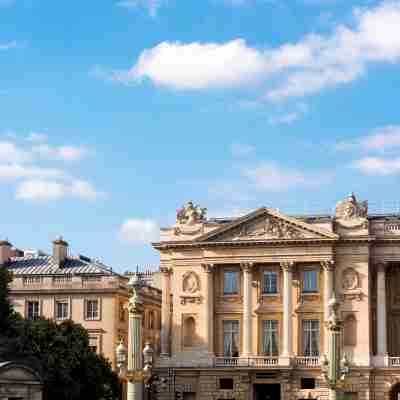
(231, 338)
(92, 309)
(270, 282)
(311, 338)
(33, 310)
(270, 338)
(226, 383)
(94, 343)
(307, 383)
(231, 285)
(93, 348)
(61, 309)
(310, 281)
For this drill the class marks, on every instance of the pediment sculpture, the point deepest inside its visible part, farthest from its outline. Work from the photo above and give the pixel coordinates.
(351, 213)
(189, 219)
(269, 228)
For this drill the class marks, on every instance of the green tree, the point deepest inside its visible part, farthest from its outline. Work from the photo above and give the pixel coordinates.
(60, 352)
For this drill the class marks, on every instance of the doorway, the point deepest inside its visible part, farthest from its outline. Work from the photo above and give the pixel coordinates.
(269, 391)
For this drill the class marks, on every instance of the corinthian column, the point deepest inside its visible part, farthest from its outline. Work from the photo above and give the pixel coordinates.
(165, 312)
(287, 350)
(209, 307)
(247, 305)
(328, 267)
(381, 311)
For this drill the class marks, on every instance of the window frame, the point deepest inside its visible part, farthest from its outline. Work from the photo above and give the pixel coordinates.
(264, 324)
(39, 310)
(235, 271)
(263, 288)
(231, 320)
(68, 308)
(86, 316)
(303, 280)
(311, 330)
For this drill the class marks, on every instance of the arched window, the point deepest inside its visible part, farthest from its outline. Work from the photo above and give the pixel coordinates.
(350, 331)
(189, 331)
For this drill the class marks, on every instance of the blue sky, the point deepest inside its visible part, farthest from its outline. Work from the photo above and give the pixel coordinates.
(113, 116)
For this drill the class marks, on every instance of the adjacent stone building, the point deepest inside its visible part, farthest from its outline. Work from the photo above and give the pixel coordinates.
(61, 286)
(245, 303)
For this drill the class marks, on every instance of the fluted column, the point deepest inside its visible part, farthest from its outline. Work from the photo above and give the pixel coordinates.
(209, 307)
(165, 312)
(247, 308)
(328, 267)
(287, 349)
(381, 311)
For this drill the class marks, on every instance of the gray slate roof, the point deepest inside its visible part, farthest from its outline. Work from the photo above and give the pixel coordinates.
(45, 265)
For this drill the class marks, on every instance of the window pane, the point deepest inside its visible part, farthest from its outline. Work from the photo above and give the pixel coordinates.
(311, 338)
(270, 282)
(270, 337)
(231, 338)
(33, 310)
(310, 281)
(231, 285)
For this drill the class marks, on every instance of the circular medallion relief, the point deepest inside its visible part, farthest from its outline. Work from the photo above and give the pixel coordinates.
(350, 279)
(191, 282)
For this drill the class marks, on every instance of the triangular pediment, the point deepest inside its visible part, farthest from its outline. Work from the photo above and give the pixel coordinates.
(266, 224)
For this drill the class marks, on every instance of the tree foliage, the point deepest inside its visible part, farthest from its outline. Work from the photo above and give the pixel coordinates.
(69, 368)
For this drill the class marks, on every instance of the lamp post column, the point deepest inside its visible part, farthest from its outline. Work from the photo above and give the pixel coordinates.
(165, 312)
(135, 363)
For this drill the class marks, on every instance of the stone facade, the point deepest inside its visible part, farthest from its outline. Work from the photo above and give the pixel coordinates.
(61, 286)
(245, 303)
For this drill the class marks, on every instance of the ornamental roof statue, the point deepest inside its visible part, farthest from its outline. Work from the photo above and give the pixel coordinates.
(350, 208)
(190, 214)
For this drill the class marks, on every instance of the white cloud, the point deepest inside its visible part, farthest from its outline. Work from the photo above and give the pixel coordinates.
(152, 6)
(139, 231)
(64, 153)
(9, 45)
(272, 177)
(9, 152)
(17, 171)
(44, 190)
(294, 69)
(284, 119)
(381, 139)
(37, 137)
(377, 166)
(242, 149)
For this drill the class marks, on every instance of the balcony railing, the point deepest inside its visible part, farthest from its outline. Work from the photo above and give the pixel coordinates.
(250, 362)
(394, 362)
(307, 362)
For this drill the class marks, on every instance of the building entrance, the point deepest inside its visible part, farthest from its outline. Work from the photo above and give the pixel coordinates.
(267, 391)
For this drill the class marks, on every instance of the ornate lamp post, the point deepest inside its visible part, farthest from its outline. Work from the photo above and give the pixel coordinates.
(333, 370)
(130, 361)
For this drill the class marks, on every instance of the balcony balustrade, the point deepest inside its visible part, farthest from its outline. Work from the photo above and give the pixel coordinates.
(307, 362)
(266, 362)
(394, 362)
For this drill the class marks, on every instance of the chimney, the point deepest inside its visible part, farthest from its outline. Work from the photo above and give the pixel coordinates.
(5, 251)
(60, 251)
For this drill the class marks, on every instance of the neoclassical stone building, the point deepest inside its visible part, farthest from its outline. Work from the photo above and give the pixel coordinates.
(245, 303)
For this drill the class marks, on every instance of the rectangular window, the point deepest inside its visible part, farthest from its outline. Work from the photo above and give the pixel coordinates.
(226, 383)
(61, 309)
(270, 282)
(310, 281)
(311, 338)
(231, 282)
(231, 338)
(270, 338)
(92, 309)
(33, 310)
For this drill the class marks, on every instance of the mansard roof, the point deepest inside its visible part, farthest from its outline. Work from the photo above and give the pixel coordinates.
(46, 265)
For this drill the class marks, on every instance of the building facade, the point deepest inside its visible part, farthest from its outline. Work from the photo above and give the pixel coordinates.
(246, 301)
(60, 287)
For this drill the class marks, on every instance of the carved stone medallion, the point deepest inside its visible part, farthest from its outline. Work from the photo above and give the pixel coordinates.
(190, 282)
(350, 279)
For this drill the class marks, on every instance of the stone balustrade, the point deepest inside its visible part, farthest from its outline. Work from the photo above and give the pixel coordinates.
(307, 362)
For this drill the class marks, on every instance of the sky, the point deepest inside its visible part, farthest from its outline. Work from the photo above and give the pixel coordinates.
(113, 115)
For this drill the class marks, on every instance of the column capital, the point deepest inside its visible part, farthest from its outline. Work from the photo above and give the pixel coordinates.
(246, 266)
(208, 268)
(287, 266)
(166, 270)
(381, 266)
(328, 265)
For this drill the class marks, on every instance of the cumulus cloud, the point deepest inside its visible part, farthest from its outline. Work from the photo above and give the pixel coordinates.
(10, 152)
(44, 190)
(152, 6)
(64, 153)
(294, 69)
(377, 166)
(17, 171)
(139, 231)
(271, 176)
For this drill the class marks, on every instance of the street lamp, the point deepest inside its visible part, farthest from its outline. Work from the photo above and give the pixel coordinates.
(334, 370)
(130, 361)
